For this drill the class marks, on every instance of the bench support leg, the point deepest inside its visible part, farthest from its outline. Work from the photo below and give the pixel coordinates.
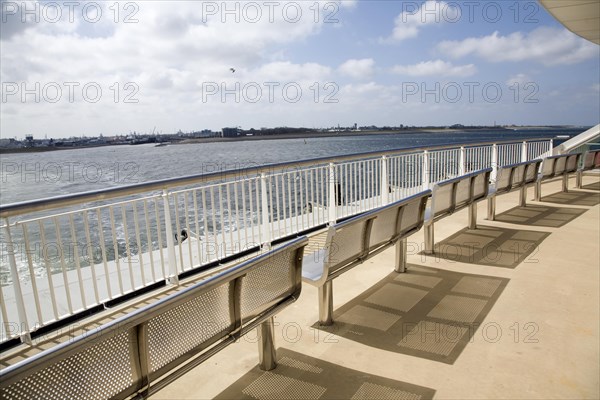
(473, 216)
(565, 183)
(579, 179)
(266, 345)
(326, 303)
(400, 256)
(523, 197)
(538, 191)
(429, 239)
(491, 208)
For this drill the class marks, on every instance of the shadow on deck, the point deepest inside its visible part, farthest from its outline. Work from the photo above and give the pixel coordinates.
(575, 198)
(301, 377)
(491, 246)
(540, 215)
(426, 312)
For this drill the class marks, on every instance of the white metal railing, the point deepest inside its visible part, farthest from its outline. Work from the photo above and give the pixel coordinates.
(65, 255)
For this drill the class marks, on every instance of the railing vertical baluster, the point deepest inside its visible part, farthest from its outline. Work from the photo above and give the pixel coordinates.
(111, 214)
(173, 277)
(160, 243)
(197, 226)
(149, 240)
(14, 274)
(238, 223)
(36, 297)
(332, 189)
(103, 252)
(138, 241)
(90, 254)
(76, 259)
(127, 247)
(63, 265)
(186, 200)
(266, 230)
(48, 266)
(229, 217)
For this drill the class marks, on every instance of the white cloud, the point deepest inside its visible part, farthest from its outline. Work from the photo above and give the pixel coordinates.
(358, 69)
(549, 46)
(413, 18)
(520, 79)
(435, 68)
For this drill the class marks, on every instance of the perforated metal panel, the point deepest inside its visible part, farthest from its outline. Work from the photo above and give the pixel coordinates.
(98, 372)
(410, 216)
(181, 329)
(531, 172)
(347, 245)
(518, 175)
(561, 164)
(463, 191)
(384, 227)
(270, 282)
(480, 187)
(443, 199)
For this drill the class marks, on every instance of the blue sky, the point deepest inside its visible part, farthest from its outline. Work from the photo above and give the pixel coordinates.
(90, 70)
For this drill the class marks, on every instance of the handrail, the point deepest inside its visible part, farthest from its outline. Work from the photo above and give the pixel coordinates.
(12, 209)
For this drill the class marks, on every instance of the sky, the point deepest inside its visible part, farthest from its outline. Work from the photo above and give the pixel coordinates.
(81, 68)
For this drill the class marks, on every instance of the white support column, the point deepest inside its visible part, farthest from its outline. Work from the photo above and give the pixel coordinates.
(332, 191)
(524, 151)
(384, 181)
(425, 170)
(173, 277)
(461, 162)
(16, 284)
(494, 163)
(266, 226)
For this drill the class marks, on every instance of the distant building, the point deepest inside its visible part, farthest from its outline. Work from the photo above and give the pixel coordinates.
(231, 132)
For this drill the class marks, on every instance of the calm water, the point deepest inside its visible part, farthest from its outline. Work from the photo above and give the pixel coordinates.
(32, 176)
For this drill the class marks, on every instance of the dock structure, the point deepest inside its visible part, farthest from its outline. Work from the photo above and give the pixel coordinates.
(514, 297)
(509, 310)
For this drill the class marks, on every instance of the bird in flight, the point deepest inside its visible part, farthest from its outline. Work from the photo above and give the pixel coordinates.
(232, 70)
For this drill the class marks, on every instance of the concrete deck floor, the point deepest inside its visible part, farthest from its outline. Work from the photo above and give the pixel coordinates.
(515, 315)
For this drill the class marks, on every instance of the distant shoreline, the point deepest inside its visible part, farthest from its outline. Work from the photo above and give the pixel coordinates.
(304, 135)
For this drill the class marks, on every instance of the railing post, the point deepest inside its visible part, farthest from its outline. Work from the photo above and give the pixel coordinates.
(14, 274)
(524, 151)
(385, 186)
(550, 152)
(425, 170)
(332, 191)
(461, 161)
(173, 277)
(266, 345)
(494, 173)
(266, 228)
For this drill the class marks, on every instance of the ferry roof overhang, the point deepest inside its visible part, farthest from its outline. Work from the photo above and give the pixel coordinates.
(581, 17)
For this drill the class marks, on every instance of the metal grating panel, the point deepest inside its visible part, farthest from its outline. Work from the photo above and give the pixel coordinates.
(419, 280)
(179, 330)
(274, 386)
(372, 391)
(98, 372)
(268, 283)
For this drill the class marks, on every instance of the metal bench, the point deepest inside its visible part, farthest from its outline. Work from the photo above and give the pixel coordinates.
(510, 178)
(453, 195)
(591, 160)
(351, 242)
(140, 353)
(554, 167)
